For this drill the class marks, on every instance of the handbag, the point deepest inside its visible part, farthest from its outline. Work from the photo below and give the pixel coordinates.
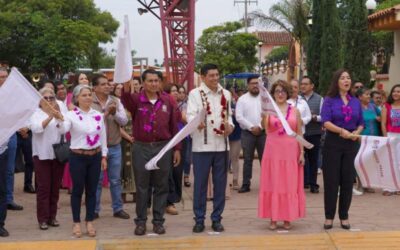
(61, 150)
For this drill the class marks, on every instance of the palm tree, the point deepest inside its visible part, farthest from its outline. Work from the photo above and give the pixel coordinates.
(291, 16)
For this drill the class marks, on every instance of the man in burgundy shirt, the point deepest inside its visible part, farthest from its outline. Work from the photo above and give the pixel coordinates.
(154, 123)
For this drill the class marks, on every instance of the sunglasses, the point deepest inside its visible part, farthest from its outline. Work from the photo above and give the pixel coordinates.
(49, 98)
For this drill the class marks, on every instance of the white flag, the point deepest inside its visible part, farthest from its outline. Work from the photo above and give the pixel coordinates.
(123, 60)
(18, 100)
(185, 131)
(378, 162)
(269, 107)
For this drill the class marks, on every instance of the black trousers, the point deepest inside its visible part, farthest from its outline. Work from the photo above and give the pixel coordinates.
(85, 173)
(175, 178)
(338, 172)
(25, 146)
(311, 157)
(250, 143)
(3, 187)
(144, 179)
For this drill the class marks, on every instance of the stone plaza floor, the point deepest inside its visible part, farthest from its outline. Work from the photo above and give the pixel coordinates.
(375, 221)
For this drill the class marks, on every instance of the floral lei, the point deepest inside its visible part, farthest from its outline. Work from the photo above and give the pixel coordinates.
(206, 103)
(276, 124)
(148, 127)
(91, 142)
(347, 111)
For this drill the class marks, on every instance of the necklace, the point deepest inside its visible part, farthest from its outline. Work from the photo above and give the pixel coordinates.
(221, 129)
(91, 142)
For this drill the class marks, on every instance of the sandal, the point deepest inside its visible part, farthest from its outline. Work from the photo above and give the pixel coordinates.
(273, 225)
(286, 225)
(76, 230)
(91, 231)
(186, 181)
(387, 193)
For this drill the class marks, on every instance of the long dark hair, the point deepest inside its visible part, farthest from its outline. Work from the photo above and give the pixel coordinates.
(333, 90)
(390, 97)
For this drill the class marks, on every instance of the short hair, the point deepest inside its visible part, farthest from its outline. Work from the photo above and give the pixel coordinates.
(375, 92)
(285, 86)
(307, 77)
(149, 71)
(44, 81)
(251, 78)
(44, 90)
(206, 67)
(96, 78)
(170, 86)
(138, 79)
(77, 90)
(361, 91)
(182, 87)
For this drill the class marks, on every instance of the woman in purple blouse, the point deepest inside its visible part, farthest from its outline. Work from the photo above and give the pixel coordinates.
(342, 117)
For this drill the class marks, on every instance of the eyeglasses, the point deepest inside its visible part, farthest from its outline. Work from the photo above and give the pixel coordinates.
(49, 98)
(279, 92)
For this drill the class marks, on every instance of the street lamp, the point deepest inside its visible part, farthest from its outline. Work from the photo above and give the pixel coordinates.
(371, 5)
(141, 11)
(260, 44)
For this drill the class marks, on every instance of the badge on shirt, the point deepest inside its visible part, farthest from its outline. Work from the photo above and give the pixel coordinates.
(164, 108)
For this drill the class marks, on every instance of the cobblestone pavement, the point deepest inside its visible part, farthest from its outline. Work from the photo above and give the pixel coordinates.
(370, 212)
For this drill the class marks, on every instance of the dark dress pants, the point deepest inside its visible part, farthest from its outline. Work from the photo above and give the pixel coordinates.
(338, 172)
(25, 145)
(311, 157)
(3, 187)
(85, 173)
(158, 179)
(250, 143)
(203, 162)
(175, 178)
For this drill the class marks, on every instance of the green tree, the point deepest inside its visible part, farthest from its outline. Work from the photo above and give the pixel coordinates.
(291, 16)
(52, 36)
(314, 43)
(223, 45)
(331, 47)
(356, 51)
(278, 54)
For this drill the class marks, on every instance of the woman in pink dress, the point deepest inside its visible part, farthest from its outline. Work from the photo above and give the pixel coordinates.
(281, 195)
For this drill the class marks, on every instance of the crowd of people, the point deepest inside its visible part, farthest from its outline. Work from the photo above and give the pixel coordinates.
(112, 130)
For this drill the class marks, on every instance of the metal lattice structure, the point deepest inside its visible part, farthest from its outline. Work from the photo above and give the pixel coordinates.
(177, 22)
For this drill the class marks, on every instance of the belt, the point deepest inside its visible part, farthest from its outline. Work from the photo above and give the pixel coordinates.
(86, 151)
(156, 143)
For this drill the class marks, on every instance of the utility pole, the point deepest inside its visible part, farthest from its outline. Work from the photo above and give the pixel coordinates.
(246, 3)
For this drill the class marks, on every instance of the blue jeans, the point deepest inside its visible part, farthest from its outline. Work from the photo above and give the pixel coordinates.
(12, 152)
(3, 187)
(202, 163)
(114, 176)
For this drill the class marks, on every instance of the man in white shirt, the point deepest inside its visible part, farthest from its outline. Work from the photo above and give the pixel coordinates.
(298, 102)
(3, 171)
(114, 117)
(210, 145)
(248, 115)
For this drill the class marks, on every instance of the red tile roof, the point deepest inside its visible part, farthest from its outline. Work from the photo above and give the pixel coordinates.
(274, 38)
(384, 13)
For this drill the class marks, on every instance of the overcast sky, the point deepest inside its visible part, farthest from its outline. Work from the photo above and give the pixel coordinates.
(146, 29)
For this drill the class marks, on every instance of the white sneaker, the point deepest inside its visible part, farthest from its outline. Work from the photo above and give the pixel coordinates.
(356, 192)
(319, 171)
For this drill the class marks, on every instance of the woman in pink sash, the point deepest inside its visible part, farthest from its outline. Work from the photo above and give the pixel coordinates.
(281, 195)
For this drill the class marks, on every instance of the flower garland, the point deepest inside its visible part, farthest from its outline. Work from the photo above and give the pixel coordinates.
(276, 124)
(91, 142)
(148, 127)
(206, 104)
(347, 111)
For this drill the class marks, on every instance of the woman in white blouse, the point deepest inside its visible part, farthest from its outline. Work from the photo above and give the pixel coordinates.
(48, 170)
(88, 155)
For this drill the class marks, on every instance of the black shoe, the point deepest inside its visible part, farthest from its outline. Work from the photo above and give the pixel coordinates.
(314, 190)
(328, 226)
(217, 226)
(198, 228)
(14, 206)
(96, 216)
(158, 229)
(29, 189)
(244, 189)
(140, 230)
(345, 226)
(3, 232)
(54, 223)
(43, 226)
(122, 215)
(306, 186)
